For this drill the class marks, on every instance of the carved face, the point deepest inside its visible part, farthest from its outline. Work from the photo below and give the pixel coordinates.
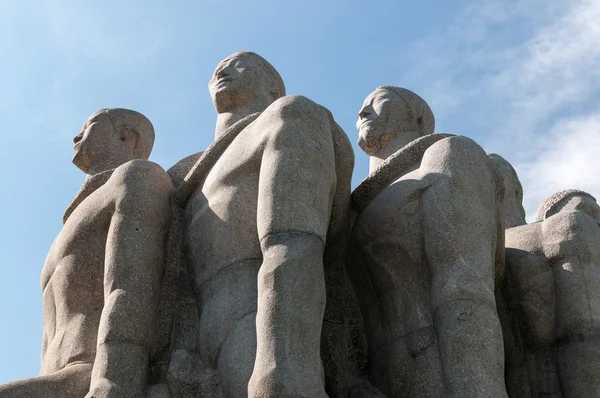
(237, 81)
(584, 204)
(382, 115)
(95, 141)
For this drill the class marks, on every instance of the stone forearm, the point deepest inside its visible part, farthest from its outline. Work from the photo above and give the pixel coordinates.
(291, 302)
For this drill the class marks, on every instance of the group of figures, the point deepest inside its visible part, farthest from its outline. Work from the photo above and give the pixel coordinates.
(251, 269)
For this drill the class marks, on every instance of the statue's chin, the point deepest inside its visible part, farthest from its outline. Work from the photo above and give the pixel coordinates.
(370, 142)
(80, 162)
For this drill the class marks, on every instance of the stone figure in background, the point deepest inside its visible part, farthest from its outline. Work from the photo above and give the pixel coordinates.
(422, 254)
(513, 212)
(103, 273)
(260, 205)
(553, 267)
(513, 215)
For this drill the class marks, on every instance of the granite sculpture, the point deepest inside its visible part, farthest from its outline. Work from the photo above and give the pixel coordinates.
(422, 254)
(102, 277)
(553, 298)
(259, 207)
(249, 270)
(512, 211)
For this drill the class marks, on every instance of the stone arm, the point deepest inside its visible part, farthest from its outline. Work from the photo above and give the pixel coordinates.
(296, 187)
(572, 241)
(459, 222)
(134, 265)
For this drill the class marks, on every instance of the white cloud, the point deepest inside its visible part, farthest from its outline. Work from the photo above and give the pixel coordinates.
(524, 74)
(569, 158)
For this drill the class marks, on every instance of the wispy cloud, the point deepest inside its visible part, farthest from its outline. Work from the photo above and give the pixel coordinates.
(527, 72)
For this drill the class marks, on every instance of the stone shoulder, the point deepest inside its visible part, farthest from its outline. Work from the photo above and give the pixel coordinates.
(141, 175)
(569, 228)
(297, 106)
(458, 147)
(180, 169)
(524, 237)
(461, 159)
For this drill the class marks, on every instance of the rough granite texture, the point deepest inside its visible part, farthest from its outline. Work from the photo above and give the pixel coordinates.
(422, 255)
(102, 277)
(250, 270)
(553, 301)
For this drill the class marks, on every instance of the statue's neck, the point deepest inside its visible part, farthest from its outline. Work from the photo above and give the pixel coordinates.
(229, 118)
(89, 186)
(107, 164)
(391, 147)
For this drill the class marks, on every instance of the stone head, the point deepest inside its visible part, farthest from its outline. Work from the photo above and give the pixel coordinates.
(512, 200)
(242, 79)
(389, 111)
(113, 136)
(568, 200)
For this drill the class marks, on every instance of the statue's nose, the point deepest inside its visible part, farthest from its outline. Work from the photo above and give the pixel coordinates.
(363, 114)
(223, 73)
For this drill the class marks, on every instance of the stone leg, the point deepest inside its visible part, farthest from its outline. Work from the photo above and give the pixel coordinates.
(460, 228)
(70, 382)
(236, 359)
(297, 183)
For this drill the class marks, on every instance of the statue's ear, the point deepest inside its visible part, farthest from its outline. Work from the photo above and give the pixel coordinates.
(130, 134)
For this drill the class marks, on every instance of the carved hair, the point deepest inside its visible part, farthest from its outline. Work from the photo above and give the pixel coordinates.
(275, 82)
(419, 109)
(125, 119)
(553, 201)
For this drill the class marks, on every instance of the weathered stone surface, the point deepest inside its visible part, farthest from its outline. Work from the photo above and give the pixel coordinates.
(267, 202)
(102, 276)
(553, 300)
(189, 376)
(423, 252)
(231, 275)
(513, 213)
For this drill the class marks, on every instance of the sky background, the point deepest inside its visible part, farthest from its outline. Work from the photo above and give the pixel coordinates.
(520, 77)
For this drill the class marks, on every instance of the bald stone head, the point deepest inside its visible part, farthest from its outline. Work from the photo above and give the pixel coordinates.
(512, 201)
(244, 79)
(111, 137)
(388, 112)
(568, 200)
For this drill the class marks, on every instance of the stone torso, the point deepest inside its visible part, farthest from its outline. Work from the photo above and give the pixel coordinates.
(388, 234)
(221, 241)
(387, 244)
(72, 283)
(552, 277)
(552, 264)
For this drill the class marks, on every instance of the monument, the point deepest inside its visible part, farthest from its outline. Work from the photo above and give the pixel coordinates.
(423, 254)
(255, 228)
(250, 269)
(102, 276)
(553, 296)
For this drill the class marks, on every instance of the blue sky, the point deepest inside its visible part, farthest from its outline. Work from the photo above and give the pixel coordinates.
(518, 76)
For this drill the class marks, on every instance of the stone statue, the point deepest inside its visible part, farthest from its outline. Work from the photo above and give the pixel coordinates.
(102, 276)
(423, 253)
(513, 213)
(554, 298)
(260, 205)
